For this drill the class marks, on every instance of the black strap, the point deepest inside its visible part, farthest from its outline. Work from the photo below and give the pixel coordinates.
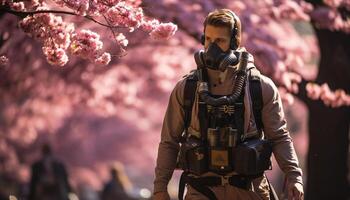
(199, 184)
(203, 189)
(256, 96)
(239, 114)
(203, 120)
(189, 94)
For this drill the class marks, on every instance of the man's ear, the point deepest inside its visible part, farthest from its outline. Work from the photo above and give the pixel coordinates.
(203, 39)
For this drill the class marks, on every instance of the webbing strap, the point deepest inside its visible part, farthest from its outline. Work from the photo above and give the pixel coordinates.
(239, 114)
(203, 120)
(189, 94)
(204, 189)
(256, 96)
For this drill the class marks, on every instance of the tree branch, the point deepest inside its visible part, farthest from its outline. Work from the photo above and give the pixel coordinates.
(23, 14)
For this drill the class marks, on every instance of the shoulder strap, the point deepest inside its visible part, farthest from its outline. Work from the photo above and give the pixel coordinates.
(189, 94)
(256, 96)
(239, 114)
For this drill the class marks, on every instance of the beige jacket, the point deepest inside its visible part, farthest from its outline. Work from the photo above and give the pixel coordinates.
(222, 83)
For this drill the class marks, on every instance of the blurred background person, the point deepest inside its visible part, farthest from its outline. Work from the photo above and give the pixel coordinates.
(49, 178)
(118, 185)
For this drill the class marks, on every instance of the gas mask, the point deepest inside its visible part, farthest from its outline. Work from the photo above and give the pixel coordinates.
(217, 59)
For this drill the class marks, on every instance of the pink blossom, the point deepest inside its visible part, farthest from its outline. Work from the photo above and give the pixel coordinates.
(79, 6)
(291, 10)
(134, 3)
(18, 6)
(124, 15)
(286, 97)
(164, 31)
(149, 25)
(55, 56)
(332, 3)
(48, 28)
(313, 91)
(57, 35)
(104, 59)
(330, 18)
(334, 99)
(121, 39)
(85, 43)
(290, 80)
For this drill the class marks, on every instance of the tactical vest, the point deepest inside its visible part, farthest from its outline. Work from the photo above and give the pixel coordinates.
(221, 146)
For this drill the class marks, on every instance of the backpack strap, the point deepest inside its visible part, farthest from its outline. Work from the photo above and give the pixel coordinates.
(256, 96)
(189, 95)
(239, 114)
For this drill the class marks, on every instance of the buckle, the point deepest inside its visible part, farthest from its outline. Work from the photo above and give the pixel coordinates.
(224, 180)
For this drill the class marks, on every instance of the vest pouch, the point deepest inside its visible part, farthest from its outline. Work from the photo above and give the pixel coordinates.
(220, 160)
(252, 157)
(193, 156)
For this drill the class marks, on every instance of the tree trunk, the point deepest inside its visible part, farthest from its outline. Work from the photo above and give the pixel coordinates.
(327, 170)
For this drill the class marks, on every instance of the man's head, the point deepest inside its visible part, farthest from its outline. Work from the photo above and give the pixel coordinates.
(46, 149)
(222, 27)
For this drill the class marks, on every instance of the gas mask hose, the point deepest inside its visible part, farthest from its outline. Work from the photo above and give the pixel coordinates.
(203, 88)
(230, 59)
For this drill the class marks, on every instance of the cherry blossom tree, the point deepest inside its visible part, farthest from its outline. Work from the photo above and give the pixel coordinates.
(58, 37)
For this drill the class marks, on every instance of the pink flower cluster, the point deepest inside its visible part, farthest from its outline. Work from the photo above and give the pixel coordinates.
(80, 6)
(290, 81)
(121, 39)
(149, 25)
(88, 7)
(55, 56)
(296, 10)
(286, 96)
(59, 37)
(164, 31)
(125, 16)
(327, 17)
(333, 3)
(87, 44)
(17, 6)
(334, 99)
(53, 32)
(104, 59)
(24, 5)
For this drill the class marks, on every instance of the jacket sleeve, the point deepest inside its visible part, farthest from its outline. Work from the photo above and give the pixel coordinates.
(173, 126)
(275, 129)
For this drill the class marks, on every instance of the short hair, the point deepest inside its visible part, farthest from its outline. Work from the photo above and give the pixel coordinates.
(225, 18)
(46, 149)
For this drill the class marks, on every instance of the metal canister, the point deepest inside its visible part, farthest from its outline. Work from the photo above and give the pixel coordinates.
(232, 137)
(213, 134)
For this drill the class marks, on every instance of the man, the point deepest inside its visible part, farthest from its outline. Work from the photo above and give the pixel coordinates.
(49, 179)
(216, 174)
